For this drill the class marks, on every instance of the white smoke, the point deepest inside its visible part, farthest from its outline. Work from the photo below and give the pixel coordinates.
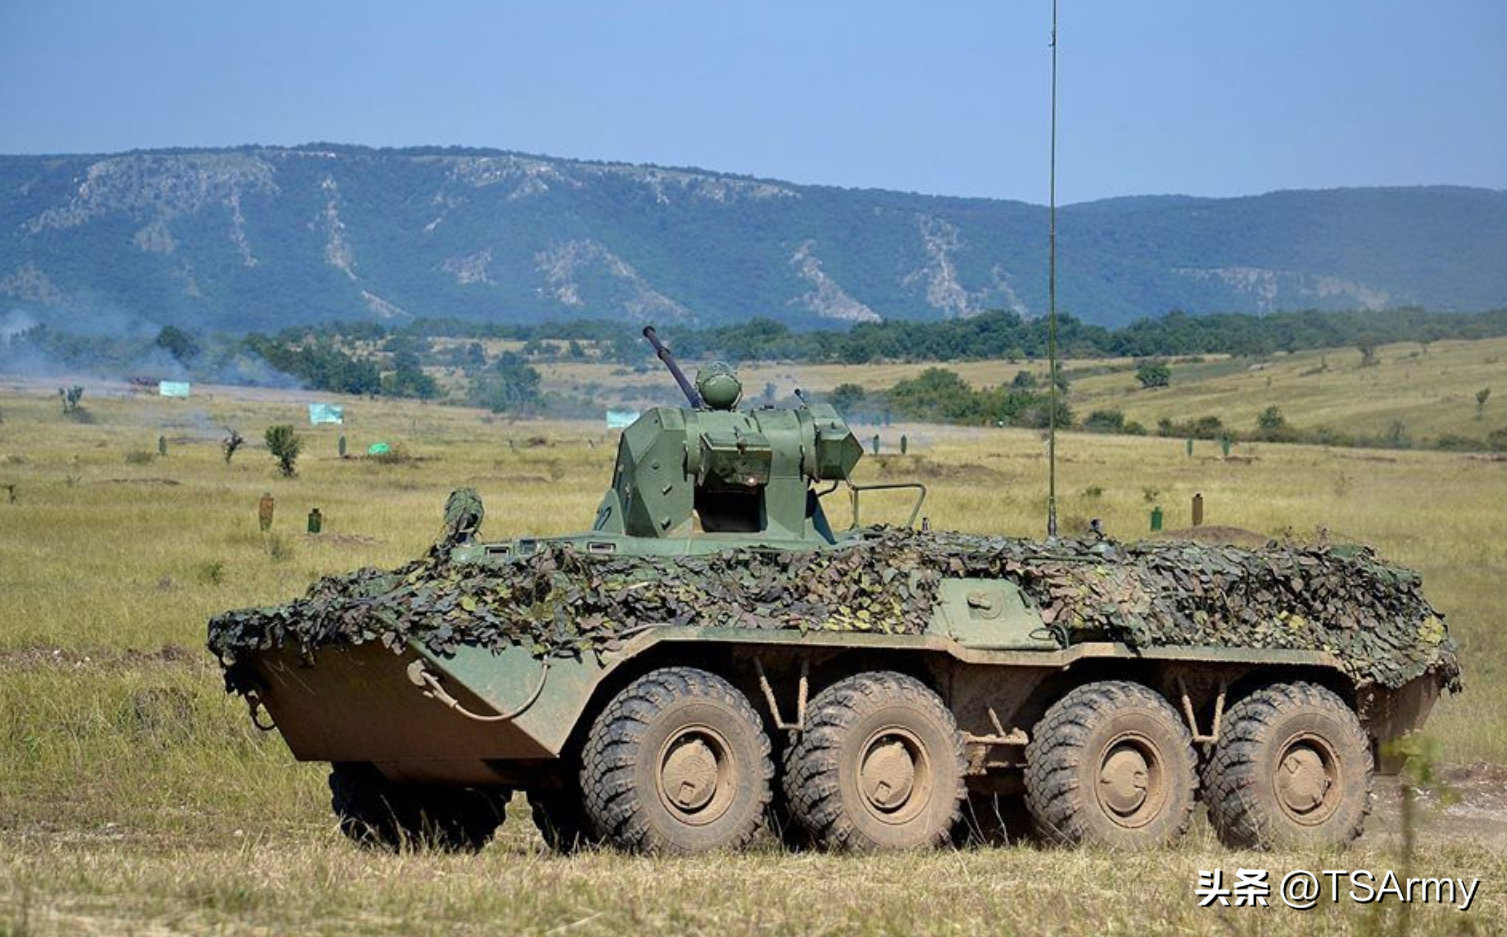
(14, 323)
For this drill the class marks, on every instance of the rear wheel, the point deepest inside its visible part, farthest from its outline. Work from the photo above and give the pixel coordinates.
(1292, 768)
(373, 811)
(1111, 764)
(678, 762)
(878, 766)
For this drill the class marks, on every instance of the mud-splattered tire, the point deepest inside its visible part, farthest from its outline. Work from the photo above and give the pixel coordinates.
(1292, 768)
(560, 817)
(1111, 764)
(378, 813)
(678, 762)
(879, 765)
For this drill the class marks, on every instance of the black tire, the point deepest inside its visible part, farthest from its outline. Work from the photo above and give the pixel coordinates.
(781, 821)
(560, 817)
(1292, 768)
(375, 812)
(1111, 764)
(878, 766)
(678, 762)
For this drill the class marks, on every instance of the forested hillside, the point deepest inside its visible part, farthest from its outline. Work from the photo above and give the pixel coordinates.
(261, 238)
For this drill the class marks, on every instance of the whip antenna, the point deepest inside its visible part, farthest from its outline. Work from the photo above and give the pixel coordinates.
(1052, 302)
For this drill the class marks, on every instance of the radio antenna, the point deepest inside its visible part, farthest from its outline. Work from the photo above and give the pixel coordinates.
(1052, 302)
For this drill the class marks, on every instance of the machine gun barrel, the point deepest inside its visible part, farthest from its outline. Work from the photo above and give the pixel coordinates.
(664, 355)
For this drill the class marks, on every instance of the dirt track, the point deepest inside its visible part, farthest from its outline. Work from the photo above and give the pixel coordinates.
(1470, 805)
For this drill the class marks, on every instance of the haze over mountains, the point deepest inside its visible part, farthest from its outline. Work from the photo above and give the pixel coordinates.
(264, 237)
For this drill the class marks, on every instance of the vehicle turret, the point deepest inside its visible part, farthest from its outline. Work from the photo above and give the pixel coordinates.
(712, 467)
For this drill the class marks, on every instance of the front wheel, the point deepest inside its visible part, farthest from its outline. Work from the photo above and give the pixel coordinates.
(678, 762)
(1292, 768)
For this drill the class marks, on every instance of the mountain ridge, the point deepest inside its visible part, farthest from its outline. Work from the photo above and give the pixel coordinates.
(260, 237)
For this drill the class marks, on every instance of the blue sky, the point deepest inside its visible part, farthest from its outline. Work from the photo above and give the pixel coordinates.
(1157, 96)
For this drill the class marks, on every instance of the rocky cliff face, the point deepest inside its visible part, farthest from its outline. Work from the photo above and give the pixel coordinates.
(263, 237)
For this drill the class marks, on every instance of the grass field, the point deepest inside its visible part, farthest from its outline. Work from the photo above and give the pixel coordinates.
(136, 798)
(1431, 392)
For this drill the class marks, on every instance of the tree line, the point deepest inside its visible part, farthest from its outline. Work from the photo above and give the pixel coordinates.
(990, 335)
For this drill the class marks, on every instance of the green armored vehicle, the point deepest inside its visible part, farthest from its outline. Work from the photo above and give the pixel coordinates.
(717, 653)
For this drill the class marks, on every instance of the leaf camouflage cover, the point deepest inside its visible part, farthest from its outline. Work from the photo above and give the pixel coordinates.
(1369, 614)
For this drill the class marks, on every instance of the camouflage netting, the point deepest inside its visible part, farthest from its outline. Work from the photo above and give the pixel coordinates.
(560, 602)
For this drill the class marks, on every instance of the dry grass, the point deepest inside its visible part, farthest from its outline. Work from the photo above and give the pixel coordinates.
(135, 798)
(261, 884)
(1432, 393)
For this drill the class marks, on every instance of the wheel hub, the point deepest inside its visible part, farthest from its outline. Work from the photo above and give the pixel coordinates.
(1303, 780)
(689, 775)
(888, 775)
(1124, 778)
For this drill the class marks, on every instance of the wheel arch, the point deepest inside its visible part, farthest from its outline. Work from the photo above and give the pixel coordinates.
(1203, 682)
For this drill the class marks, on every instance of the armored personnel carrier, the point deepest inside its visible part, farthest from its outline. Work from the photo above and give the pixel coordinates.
(720, 650)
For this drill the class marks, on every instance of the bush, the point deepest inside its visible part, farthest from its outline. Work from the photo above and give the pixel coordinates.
(70, 397)
(284, 445)
(1112, 422)
(1454, 442)
(848, 399)
(1105, 421)
(511, 386)
(408, 379)
(1271, 426)
(1397, 436)
(1153, 374)
(1271, 419)
(233, 441)
(1033, 412)
(319, 364)
(1204, 427)
(937, 394)
(210, 572)
(394, 455)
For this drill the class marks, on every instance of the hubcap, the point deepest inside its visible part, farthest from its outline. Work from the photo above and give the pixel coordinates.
(894, 775)
(1131, 789)
(1306, 776)
(1123, 780)
(889, 775)
(695, 777)
(690, 775)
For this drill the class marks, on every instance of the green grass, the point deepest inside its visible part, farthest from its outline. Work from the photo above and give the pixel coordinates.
(136, 798)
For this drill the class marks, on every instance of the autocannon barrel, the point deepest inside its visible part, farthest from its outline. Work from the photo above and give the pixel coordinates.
(664, 355)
